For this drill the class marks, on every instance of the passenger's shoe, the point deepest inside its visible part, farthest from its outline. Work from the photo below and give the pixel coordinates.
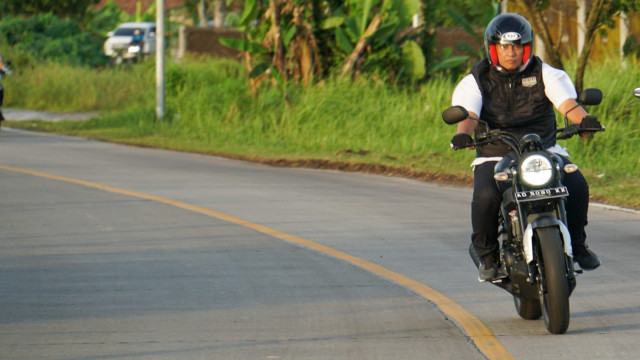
(585, 257)
(488, 267)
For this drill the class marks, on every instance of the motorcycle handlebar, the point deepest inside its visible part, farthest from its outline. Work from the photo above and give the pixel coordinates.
(510, 140)
(573, 130)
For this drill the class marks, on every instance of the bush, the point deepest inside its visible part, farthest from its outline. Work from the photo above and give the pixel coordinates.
(47, 37)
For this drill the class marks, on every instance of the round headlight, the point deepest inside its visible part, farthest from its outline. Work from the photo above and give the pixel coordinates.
(536, 170)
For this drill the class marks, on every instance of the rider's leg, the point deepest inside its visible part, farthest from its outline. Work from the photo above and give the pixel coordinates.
(484, 219)
(577, 209)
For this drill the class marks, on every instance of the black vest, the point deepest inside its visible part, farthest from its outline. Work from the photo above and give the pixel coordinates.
(514, 102)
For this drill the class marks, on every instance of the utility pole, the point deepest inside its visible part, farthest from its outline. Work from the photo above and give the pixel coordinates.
(219, 10)
(624, 32)
(582, 20)
(159, 59)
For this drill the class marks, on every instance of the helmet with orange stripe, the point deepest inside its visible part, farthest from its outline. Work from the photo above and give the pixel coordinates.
(506, 29)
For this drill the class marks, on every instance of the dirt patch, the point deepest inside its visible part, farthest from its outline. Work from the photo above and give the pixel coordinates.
(379, 169)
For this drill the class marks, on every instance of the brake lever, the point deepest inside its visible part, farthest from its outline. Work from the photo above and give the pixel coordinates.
(569, 131)
(602, 128)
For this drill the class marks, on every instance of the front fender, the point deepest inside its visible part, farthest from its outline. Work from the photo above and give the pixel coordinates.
(541, 222)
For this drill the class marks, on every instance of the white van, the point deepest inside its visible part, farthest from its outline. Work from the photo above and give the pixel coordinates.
(119, 40)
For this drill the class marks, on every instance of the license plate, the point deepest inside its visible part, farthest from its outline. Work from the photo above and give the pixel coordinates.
(530, 195)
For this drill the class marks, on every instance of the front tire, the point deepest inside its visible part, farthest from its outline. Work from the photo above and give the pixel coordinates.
(528, 309)
(553, 284)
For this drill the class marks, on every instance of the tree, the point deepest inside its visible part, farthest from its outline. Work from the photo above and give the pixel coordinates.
(535, 9)
(75, 9)
(600, 16)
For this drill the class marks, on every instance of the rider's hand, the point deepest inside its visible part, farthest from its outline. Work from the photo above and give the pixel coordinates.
(461, 141)
(589, 122)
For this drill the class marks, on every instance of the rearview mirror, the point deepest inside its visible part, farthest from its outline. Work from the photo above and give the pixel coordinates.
(454, 115)
(590, 97)
(636, 92)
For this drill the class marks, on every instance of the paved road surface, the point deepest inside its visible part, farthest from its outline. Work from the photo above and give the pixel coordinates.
(92, 274)
(24, 115)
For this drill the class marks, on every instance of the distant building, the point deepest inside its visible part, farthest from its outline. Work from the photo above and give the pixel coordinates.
(129, 6)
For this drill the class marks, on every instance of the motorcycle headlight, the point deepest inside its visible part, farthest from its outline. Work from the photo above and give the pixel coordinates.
(536, 170)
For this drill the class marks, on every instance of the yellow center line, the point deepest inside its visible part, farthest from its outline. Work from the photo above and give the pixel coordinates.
(477, 331)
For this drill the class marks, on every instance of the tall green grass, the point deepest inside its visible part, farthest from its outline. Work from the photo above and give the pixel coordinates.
(211, 110)
(55, 87)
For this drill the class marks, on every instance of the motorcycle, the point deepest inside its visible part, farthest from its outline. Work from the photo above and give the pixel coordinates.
(536, 258)
(636, 92)
(130, 53)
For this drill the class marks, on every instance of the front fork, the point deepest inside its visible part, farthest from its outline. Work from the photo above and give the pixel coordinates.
(527, 243)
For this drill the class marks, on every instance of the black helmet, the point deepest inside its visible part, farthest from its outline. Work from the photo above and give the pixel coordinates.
(508, 28)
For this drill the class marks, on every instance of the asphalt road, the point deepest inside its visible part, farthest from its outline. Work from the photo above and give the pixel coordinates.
(115, 252)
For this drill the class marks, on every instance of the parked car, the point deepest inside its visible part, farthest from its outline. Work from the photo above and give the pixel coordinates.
(118, 43)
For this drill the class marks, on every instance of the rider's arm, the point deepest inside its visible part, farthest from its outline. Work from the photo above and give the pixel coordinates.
(560, 91)
(575, 112)
(467, 94)
(468, 125)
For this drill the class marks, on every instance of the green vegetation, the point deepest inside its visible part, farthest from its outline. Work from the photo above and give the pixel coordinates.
(211, 110)
(49, 37)
(71, 32)
(57, 87)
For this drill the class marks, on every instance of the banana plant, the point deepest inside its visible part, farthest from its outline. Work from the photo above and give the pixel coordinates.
(371, 31)
(279, 40)
(297, 39)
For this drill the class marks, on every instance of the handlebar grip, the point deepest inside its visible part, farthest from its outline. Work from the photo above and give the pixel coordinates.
(569, 131)
(592, 129)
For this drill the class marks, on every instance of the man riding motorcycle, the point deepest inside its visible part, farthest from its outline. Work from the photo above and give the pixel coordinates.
(137, 42)
(513, 90)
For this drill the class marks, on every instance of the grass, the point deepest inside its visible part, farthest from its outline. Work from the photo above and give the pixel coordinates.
(61, 88)
(210, 110)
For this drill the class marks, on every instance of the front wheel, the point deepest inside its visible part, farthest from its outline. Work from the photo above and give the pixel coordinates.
(553, 284)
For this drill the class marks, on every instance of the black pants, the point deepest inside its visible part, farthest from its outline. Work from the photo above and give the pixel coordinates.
(486, 205)
(1, 94)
